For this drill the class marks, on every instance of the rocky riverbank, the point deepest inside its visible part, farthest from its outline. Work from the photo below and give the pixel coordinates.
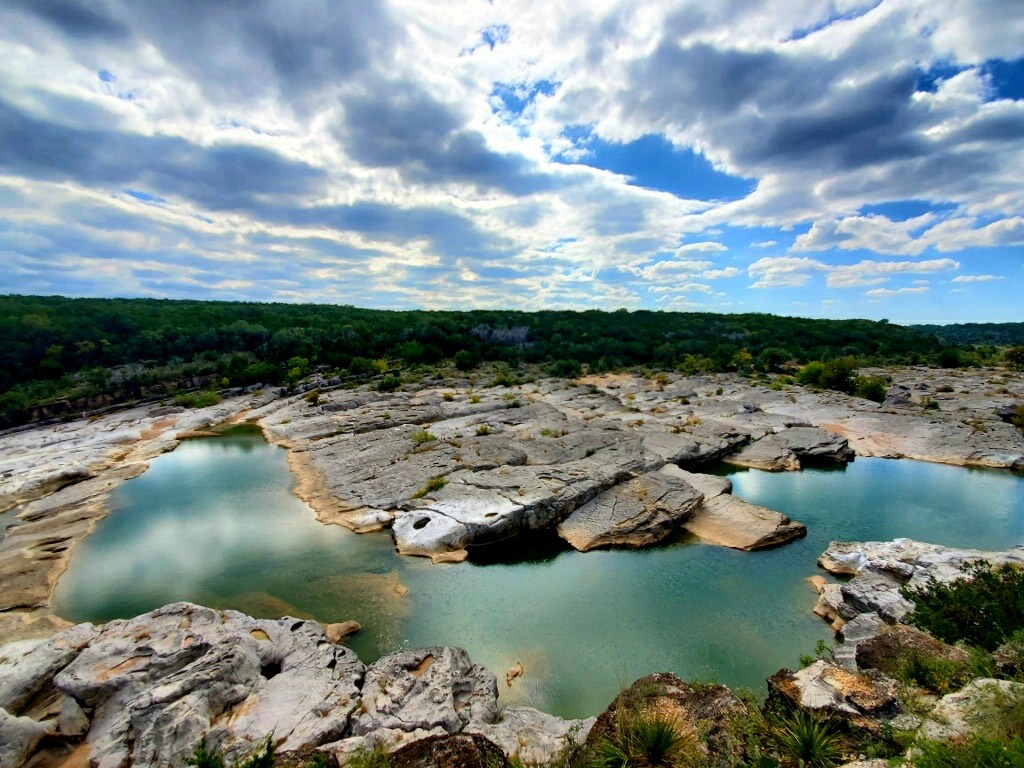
(609, 461)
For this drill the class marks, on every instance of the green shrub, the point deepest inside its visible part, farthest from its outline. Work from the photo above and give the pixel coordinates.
(870, 388)
(483, 429)
(370, 758)
(313, 397)
(808, 740)
(205, 757)
(389, 384)
(983, 609)
(197, 399)
(642, 740)
(933, 673)
(421, 436)
(975, 752)
(433, 484)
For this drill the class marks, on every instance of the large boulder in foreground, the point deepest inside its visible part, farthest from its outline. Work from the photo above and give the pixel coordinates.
(462, 750)
(145, 691)
(731, 522)
(637, 513)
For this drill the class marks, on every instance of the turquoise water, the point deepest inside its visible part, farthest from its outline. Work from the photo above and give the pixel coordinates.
(214, 522)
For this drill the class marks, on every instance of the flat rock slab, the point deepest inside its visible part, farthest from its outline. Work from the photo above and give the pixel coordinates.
(636, 513)
(731, 522)
(792, 449)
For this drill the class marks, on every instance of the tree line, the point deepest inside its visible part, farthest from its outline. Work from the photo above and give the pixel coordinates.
(55, 348)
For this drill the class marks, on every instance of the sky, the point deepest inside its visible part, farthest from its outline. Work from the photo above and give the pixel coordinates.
(840, 158)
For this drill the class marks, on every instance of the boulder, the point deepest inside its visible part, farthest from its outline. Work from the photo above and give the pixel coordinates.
(533, 737)
(156, 684)
(793, 449)
(864, 699)
(706, 713)
(860, 629)
(881, 568)
(967, 711)
(425, 689)
(462, 750)
(889, 649)
(18, 738)
(636, 513)
(338, 632)
(732, 522)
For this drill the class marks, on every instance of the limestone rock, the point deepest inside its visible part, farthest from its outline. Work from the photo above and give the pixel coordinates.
(881, 568)
(338, 632)
(705, 712)
(732, 522)
(888, 650)
(27, 668)
(636, 513)
(794, 448)
(536, 738)
(859, 630)
(450, 751)
(157, 683)
(863, 698)
(18, 737)
(964, 713)
(426, 688)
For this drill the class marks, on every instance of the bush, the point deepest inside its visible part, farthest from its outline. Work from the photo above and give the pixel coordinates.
(389, 384)
(932, 673)
(808, 740)
(465, 360)
(642, 740)
(197, 399)
(870, 388)
(975, 752)
(421, 436)
(982, 609)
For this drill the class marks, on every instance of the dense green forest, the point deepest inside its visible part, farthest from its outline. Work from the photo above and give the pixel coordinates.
(115, 350)
(973, 334)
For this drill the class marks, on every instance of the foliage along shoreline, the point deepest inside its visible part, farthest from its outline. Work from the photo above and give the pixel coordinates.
(78, 354)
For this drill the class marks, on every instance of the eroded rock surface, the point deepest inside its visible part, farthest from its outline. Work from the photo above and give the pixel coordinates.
(143, 692)
(732, 522)
(793, 449)
(636, 513)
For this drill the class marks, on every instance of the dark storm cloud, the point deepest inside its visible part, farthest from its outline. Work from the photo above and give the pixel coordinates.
(223, 176)
(400, 126)
(75, 19)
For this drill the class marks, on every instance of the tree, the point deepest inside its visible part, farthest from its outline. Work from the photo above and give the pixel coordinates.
(1014, 356)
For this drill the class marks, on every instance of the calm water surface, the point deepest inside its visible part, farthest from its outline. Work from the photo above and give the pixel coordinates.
(215, 522)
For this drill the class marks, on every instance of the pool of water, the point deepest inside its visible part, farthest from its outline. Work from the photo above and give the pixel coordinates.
(215, 522)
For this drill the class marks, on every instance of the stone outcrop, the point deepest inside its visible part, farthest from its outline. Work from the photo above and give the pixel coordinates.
(705, 713)
(881, 568)
(966, 711)
(889, 648)
(636, 513)
(532, 736)
(794, 449)
(864, 699)
(461, 750)
(145, 691)
(732, 522)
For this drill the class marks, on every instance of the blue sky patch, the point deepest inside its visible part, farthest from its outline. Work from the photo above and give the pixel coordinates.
(145, 197)
(653, 162)
(901, 210)
(516, 97)
(1006, 78)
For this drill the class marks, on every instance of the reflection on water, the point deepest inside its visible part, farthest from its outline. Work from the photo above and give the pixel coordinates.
(214, 522)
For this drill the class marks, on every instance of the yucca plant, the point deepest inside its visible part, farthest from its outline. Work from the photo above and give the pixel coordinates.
(808, 741)
(643, 742)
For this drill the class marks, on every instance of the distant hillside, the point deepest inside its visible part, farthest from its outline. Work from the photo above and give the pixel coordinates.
(118, 349)
(973, 334)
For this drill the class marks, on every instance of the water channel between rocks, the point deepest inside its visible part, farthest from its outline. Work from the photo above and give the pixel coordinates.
(215, 523)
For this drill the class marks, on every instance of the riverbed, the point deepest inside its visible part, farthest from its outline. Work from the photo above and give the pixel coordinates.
(215, 522)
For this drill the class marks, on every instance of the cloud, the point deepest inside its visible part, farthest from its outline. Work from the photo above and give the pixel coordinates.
(886, 292)
(873, 272)
(706, 246)
(976, 278)
(783, 271)
(764, 244)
